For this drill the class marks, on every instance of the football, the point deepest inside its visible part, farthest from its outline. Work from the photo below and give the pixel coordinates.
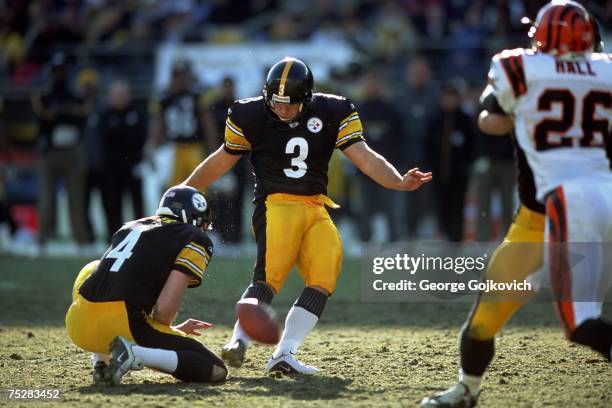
(258, 320)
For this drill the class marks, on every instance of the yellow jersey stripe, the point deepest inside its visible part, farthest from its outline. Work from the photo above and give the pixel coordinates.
(196, 257)
(235, 146)
(352, 126)
(345, 124)
(283, 80)
(233, 127)
(349, 137)
(349, 117)
(202, 251)
(236, 140)
(197, 271)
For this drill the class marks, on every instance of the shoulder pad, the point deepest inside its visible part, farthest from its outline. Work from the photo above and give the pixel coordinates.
(515, 52)
(336, 103)
(511, 62)
(246, 109)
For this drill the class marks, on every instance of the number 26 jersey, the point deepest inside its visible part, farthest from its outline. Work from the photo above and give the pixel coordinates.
(562, 109)
(292, 157)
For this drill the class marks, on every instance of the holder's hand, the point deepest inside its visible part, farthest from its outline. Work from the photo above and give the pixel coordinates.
(191, 326)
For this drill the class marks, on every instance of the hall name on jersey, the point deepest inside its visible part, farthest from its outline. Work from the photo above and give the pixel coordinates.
(574, 67)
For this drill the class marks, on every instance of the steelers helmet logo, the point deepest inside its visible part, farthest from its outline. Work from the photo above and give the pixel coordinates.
(199, 202)
(314, 125)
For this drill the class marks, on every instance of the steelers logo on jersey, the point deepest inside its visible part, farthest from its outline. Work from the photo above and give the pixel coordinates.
(314, 125)
(199, 202)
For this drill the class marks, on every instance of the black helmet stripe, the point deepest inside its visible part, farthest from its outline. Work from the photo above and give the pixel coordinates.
(283, 79)
(562, 17)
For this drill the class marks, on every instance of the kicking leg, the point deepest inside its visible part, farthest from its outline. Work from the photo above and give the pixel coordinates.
(233, 353)
(278, 231)
(100, 364)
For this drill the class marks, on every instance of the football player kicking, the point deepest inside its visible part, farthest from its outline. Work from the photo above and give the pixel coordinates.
(291, 134)
(524, 85)
(124, 304)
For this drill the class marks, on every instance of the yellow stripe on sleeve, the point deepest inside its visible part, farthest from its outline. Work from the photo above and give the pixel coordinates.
(350, 128)
(193, 259)
(234, 137)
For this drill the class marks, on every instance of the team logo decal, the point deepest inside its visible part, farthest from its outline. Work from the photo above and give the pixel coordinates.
(199, 202)
(314, 125)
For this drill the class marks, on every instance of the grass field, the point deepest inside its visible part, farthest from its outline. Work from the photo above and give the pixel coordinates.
(369, 354)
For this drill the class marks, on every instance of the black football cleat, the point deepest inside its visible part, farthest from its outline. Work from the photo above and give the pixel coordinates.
(234, 353)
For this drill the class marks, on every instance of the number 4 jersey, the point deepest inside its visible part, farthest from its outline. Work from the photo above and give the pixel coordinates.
(292, 157)
(141, 256)
(562, 109)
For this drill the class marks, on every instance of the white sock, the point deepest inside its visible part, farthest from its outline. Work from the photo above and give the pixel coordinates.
(239, 334)
(471, 381)
(95, 357)
(298, 324)
(158, 359)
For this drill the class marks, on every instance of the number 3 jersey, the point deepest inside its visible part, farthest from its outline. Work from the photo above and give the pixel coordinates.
(141, 256)
(562, 109)
(292, 157)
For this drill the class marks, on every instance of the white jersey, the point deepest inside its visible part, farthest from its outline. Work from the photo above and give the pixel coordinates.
(562, 111)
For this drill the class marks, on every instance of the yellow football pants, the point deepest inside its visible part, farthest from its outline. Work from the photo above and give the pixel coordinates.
(292, 229)
(187, 156)
(511, 260)
(92, 325)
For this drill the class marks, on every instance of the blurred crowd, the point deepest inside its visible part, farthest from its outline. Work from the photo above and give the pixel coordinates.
(384, 31)
(78, 112)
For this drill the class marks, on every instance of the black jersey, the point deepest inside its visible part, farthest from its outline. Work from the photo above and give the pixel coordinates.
(180, 114)
(292, 157)
(141, 256)
(525, 180)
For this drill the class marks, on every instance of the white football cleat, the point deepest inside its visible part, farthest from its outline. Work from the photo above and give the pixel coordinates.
(287, 364)
(457, 396)
(122, 360)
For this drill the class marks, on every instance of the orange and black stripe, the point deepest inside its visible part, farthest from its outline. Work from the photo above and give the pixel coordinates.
(567, 17)
(561, 279)
(513, 67)
(552, 29)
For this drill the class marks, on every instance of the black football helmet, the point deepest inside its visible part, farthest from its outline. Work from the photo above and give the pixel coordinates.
(288, 81)
(187, 205)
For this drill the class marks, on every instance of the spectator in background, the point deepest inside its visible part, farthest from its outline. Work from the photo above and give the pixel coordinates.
(88, 83)
(61, 116)
(494, 171)
(227, 194)
(7, 225)
(419, 101)
(466, 46)
(450, 153)
(386, 137)
(123, 130)
(394, 33)
(182, 119)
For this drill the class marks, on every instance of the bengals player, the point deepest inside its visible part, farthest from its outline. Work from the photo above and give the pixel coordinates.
(569, 162)
(290, 133)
